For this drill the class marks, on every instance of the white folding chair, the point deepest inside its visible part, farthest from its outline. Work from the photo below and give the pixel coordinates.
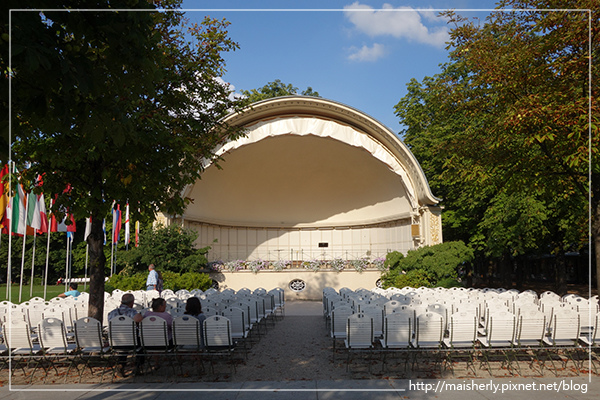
(359, 336)
(91, 345)
(53, 340)
(154, 338)
(218, 340)
(462, 337)
(397, 336)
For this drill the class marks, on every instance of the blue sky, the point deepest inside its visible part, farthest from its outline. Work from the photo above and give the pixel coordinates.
(362, 59)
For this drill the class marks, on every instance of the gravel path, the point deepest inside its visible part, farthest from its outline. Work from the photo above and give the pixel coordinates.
(296, 348)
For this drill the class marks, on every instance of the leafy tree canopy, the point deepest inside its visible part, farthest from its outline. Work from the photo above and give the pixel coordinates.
(168, 248)
(276, 89)
(114, 106)
(507, 128)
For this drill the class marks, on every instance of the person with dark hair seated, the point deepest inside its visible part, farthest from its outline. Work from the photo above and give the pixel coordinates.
(193, 308)
(72, 292)
(159, 307)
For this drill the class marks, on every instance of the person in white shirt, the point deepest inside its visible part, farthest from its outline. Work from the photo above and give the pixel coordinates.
(152, 281)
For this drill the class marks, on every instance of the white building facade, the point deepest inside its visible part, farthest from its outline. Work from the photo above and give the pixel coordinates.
(311, 179)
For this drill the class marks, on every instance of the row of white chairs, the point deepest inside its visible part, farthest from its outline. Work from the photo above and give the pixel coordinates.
(51, 347)
(402, 319)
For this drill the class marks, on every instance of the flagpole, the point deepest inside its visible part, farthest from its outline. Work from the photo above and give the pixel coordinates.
(22, 268)
(32, 265)
(87, 248)
(9, 261)
(48, 248)
(67, 265)
(112, 250)
(112, 246)
(23, 253)
(47, 258)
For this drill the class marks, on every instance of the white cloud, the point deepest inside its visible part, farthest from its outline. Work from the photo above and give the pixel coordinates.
(367, 53)
(401, 22)
(232, 95)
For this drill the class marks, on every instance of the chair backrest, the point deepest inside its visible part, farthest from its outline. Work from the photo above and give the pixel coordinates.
(376, 313)
(35, 311)
(253, 308)
(217, 332)
(51, 333)
(278, 296)
(122, 333)
(438, 309)
(565, 326)
(18, 334)
(359, 331)
(174, 302)
(88, 333)
(429, 332)
(398, 330)
(268, 301)
(531, 327)
(187, 332)
(462, 328)
(501, 328)
(237, 317)
(153, 332)
(339, 317)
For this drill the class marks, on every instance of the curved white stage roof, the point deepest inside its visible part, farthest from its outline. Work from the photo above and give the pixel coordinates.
(309, 163)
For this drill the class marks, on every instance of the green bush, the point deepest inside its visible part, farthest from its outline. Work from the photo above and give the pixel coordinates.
(392, 259)
(415, 278)
(194, 280)
(427, 266)
(449, 283)
(126, 282)
(172, 280)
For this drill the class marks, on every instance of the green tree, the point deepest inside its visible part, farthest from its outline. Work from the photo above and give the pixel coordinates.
(275, 89)
(169, 248)
(429, 265)
(115, 106)
(509, 126)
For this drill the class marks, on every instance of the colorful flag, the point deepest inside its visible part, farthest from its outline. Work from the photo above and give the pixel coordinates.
(88, 228)
(127, 224)
(18, 217)
(137, 233)
(62, 226)
(116, 223)
(72, 227)
(43, 215)
(34, 219)
(3, 196)
(104, 230)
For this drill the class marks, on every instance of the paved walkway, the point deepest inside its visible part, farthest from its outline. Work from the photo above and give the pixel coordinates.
(582, 387)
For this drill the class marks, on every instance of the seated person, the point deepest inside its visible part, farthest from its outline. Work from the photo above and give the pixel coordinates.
(193, 308)
(72, 292)
(159, 307)
(126, 308)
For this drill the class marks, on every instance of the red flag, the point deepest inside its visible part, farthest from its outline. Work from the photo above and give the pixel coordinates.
(3, 196)
(43, 215)
(116, 223)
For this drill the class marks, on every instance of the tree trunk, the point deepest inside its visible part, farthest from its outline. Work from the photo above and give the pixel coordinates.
(97, 263)
(595, 226)
(560, 274)
(505, 273)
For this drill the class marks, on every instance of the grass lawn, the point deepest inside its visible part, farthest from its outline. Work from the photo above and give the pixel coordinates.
(38, 291)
